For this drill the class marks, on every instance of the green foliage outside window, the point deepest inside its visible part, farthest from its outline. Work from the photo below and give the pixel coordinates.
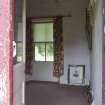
(19, 51)
(41, 49)
(49, 49)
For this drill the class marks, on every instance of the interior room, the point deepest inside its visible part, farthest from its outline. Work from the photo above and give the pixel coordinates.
(57, 59)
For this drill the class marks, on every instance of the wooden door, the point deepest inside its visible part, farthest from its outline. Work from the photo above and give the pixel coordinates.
(6, 59)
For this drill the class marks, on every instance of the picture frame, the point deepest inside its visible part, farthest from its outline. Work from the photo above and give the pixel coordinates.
(76, 74)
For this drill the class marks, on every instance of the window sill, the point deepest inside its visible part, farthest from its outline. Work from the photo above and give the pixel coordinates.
(43, 61)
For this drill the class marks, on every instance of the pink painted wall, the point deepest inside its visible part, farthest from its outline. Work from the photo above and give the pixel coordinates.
(6, 35)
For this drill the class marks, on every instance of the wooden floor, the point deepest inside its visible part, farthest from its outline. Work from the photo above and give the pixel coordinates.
(38, 93)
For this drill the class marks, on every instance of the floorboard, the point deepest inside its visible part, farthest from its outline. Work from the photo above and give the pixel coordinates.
(38, 93)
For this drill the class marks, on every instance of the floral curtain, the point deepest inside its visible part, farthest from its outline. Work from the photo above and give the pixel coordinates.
(29, 47)
(58, 47)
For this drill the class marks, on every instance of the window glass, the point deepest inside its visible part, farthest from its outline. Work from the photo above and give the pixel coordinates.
(39, 52)
(49, 52)
(19, 55)
(43, 32)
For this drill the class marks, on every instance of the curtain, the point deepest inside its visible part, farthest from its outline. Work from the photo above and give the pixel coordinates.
(29, 47)
(58, 47)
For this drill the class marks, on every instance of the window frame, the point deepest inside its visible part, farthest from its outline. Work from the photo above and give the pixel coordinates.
(39, 21)
(19, 42)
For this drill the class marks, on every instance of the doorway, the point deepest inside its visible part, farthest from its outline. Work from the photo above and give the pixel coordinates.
(96, 77)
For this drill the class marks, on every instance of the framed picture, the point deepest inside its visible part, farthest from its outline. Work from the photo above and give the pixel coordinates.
(76, 74)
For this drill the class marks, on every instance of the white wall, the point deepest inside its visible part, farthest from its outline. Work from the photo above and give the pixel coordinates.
(97, 56)
(18, 84)
(42, 72)
(75, 43)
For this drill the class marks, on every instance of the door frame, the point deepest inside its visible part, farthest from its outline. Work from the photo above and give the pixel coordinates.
(6, 51)
(103, 52)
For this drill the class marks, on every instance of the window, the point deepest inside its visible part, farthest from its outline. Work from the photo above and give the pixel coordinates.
(19, 51)
(19, 43)
(43, 40)
(18, 31)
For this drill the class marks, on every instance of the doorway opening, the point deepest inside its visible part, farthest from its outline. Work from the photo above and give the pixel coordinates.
(57, 56)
